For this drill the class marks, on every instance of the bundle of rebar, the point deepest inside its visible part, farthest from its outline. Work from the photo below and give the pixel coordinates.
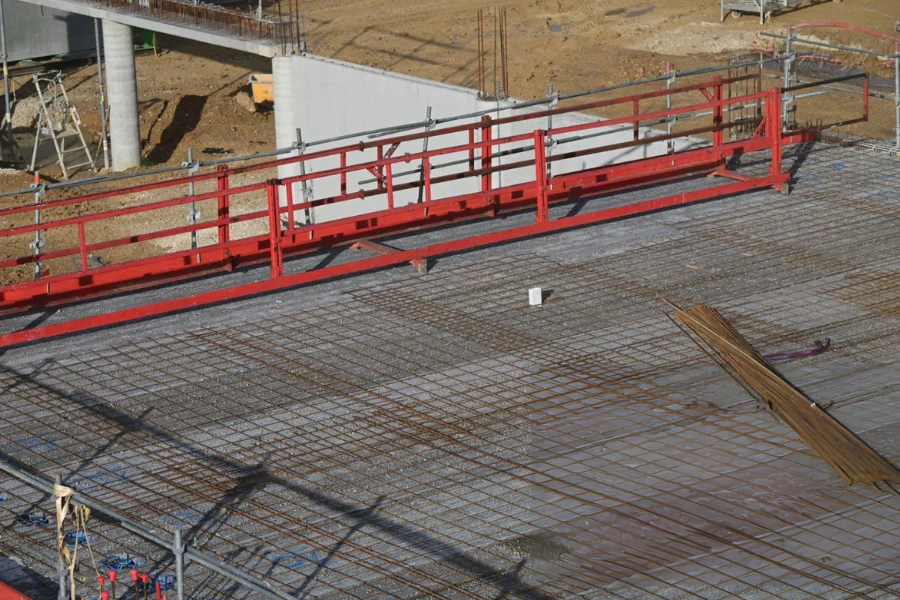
(851, 457)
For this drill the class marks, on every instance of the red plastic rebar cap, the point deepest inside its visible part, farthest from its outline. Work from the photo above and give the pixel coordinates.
(134, 575)
(112, 575)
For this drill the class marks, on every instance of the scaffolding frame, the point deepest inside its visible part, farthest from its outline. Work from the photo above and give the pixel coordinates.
(789, 60)
(284, 239)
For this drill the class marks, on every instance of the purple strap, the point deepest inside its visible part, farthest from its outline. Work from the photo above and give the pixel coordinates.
(820, 347)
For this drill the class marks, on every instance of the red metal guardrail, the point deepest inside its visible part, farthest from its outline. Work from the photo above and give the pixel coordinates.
(482, 156)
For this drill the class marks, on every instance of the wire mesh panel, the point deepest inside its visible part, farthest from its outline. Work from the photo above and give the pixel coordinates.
(436, 437)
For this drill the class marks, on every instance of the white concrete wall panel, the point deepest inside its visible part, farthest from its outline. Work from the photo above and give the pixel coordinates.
(329, 98)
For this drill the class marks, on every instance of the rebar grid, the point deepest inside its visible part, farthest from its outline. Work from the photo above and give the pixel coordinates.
(423, 437)
(235, 23)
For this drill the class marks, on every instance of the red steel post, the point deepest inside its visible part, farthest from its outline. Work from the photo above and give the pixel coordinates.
(380, 168)
(775, 133)
(426, 180)
(389, 179)
(82, 246)
(471, 150)
(866, 97)
(224, 207)
(487, 135)
(276, 259)
(343, 173)
(540, 176)
(289, 196)
(718, 134)
(636, 127)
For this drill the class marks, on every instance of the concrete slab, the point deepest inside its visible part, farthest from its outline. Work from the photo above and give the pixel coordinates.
(136, 20)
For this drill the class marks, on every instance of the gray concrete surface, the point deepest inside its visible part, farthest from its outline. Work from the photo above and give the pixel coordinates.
(398, 435)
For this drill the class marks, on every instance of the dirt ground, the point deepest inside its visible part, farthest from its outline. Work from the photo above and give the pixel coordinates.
(188, 93)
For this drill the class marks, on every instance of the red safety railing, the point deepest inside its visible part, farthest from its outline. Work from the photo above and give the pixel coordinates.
(485, 155)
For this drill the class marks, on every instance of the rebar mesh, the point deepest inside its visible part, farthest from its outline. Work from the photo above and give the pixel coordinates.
(436, 437)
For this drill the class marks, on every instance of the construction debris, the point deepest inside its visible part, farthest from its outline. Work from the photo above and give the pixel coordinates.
(244, 100)
(819, 347)
(852, 458)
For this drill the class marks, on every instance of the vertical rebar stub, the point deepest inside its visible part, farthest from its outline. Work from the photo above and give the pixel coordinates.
(535, 297)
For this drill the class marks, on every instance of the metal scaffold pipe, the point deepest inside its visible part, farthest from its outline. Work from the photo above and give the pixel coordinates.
(104, 141)
(897, 101)
(8, 114)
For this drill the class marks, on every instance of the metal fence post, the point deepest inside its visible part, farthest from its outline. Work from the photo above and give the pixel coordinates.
(103, 137)
(897, 98)
(788, 74)
(38, 240)
(428, 127)
(8, 115)
(305, 185)
(550, 106)
(194, 214)
(178, 550)
(670, 119)
(61, 571)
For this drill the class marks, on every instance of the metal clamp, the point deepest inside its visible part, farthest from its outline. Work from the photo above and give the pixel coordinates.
(38, 188)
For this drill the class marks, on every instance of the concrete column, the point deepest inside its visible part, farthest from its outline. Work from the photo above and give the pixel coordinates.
(121, 87)
(286, 121)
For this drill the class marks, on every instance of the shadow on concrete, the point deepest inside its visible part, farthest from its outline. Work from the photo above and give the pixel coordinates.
(25, 580)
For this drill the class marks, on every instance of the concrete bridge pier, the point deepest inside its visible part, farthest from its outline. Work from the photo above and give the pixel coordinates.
(121, 86)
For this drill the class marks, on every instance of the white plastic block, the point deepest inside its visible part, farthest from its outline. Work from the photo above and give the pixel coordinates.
(535, 297)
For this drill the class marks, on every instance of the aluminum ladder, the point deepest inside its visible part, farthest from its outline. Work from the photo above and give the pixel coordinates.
(58, 120)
